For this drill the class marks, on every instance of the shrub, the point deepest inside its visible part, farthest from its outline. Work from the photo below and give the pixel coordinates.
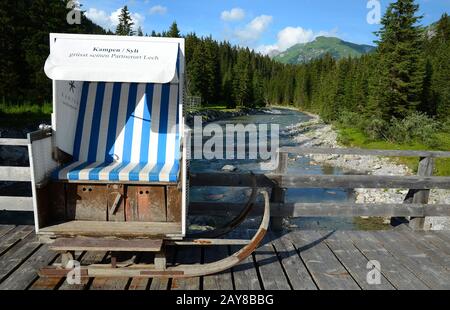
(415, 127)
(349, 119)
(375, 128)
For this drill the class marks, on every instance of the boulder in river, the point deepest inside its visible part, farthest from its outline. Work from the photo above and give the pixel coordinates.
(229, 168)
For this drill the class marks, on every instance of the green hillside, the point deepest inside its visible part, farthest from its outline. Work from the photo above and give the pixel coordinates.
(306, 52)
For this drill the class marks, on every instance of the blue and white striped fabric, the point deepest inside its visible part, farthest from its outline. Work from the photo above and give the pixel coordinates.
(126, 132)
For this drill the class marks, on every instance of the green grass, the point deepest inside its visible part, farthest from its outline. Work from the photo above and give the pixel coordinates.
(354, 137)
(373, 223)
(220, 107)
(23, 114)
(26, 109)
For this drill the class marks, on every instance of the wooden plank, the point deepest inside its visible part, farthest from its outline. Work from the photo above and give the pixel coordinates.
(141, 284)
(296, 271)
(174, 211)
(270, 269)
(433, 240)
(50, 283)
(397, 274)
(5, 229)
(16, 203)
(220, 281)
(112, 229)
(437, 250)
(13, 236)
(87, 259)
(162, 284)
(426, 167)
(117, 283)
(245, 274)
(13, 142)
(17, 255)
(15, 174)
(363, 152)
(355, 262)
(328, 273)
(435, 276)
(87, 202)
(362, 181)
(100, 283)
(21, 278)
(324, 209)
(146, 204)
(116, 208)
(152, 204)
(278, 194)
(318, 181)
(187, 255)
(98, 244)
(444, 235)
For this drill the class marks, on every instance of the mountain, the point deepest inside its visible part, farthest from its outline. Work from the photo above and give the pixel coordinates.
(305, 52)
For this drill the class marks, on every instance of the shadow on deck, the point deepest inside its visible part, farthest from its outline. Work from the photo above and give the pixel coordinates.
(300, 260)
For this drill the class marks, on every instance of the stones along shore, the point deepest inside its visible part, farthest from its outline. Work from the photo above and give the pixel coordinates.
(315, 133)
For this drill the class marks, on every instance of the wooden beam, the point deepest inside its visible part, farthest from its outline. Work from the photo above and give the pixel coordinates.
(426, 167)
(13, 142)
(319, 181)
(113, 229)
(363, 152)
(325, 209)
(17, 174)
(278, 194)
(16, 203)
(106, 244)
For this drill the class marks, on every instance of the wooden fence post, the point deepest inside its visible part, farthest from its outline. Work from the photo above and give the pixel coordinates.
(279, 194)
(426, 166)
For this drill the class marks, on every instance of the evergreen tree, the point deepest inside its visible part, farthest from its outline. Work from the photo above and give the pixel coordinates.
(173, 32)
(125, 26)
(140, 33)
(398, 85)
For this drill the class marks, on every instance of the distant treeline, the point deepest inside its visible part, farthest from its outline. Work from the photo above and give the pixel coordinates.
(24, 46)
(408, 73)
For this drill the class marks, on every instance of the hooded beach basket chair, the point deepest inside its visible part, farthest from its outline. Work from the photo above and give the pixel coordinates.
(111, 172)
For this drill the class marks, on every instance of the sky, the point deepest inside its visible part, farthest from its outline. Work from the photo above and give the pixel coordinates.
(263, 25)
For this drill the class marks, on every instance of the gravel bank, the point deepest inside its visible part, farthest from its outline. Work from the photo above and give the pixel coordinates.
(317, 134)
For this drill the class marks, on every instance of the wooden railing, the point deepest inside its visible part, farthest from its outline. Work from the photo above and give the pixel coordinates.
(415, 205)
(15, 174)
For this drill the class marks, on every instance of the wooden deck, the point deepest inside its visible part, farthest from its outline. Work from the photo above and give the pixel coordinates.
(301, 260)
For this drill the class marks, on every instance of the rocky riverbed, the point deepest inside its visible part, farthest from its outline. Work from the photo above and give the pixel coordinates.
(316, 133)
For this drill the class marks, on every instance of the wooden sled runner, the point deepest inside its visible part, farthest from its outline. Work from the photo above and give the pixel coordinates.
(111, 174)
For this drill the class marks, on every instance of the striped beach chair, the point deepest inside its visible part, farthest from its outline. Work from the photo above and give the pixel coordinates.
(110, 174)
(126, 132)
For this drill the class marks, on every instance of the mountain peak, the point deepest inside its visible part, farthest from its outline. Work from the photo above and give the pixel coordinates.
(305, 52)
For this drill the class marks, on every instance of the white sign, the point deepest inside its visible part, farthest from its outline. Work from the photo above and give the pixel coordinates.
(112, 59)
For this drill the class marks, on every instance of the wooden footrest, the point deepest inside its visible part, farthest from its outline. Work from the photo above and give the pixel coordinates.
(102, 244)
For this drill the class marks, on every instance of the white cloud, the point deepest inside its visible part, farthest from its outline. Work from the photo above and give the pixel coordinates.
(110, 21)
(158, 9)
(253, 31)
(234, 14)
(290, 36)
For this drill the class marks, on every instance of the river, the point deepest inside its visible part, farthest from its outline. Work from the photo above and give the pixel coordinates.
(296, 166)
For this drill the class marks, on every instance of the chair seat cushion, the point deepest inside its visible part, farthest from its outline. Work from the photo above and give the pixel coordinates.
(118, 171)
(126, 132)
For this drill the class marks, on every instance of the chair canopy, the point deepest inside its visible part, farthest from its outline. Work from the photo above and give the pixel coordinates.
(126, 132)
